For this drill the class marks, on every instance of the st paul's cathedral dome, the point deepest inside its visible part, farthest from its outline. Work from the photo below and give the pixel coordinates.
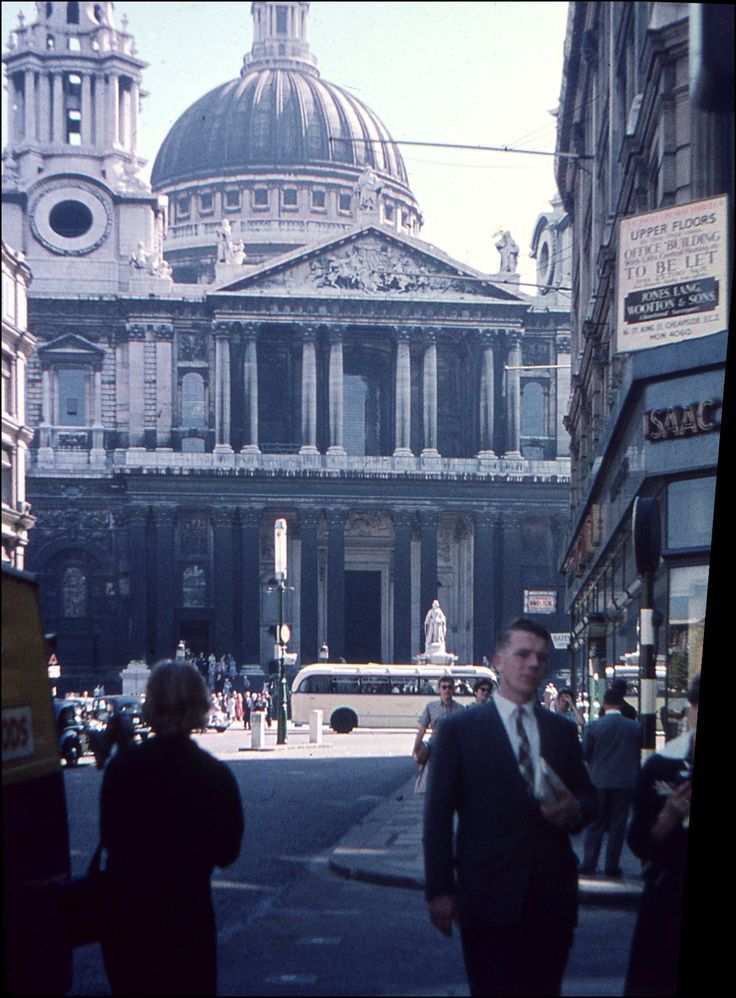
(279, 153)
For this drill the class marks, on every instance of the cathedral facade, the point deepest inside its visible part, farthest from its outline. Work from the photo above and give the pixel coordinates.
(263, 334)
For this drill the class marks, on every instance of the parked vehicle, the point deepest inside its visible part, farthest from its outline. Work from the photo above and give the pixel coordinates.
(72, 730)
(105, 707)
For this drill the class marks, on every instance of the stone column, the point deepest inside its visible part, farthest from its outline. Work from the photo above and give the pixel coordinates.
(250, 381)
(222, 518)
(167, 580)
(222, 389)
(136, 384)
(134, 102)
(112, 111)
(402, 440)
(429, 522)
(58, 113)
(336, 582)
(513, 399)
(86, 109)
(403, 521)
(309, 393)
(98, 449)
(337, 403)
(30, 106)
(138, 547)
(510, 568)
(487, 396)
(164, 387)
(309, 573)
(250, 584)
(562, 385)
(484, 588)
(429, 407)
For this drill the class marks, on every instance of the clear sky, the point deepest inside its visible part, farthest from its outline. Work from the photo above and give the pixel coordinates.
(474, 73)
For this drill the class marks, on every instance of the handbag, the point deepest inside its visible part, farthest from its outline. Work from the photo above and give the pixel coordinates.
(83, 903)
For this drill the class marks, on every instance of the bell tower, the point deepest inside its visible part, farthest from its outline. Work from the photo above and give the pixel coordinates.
(71, 185)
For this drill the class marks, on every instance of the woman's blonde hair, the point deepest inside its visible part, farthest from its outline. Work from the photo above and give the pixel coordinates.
(176, 698)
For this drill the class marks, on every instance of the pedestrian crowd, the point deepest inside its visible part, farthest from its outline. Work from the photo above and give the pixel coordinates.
(507, 781)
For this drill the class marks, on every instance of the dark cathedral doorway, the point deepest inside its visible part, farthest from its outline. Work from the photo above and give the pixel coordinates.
(196, 636)
(363, 616)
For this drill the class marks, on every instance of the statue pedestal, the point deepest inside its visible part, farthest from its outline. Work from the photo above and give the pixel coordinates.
(135, 678)
(436, 654)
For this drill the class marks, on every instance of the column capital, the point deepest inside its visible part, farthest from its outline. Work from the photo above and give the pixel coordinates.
(429, 518)
(309, 518)
(250, 330)
(250, 516)
(486, 519)
(399, 334)
(138, 515)
(165, 513)
(489, 337)
(222, 516)
(336, 517)
(404, 518)
(336, 333)
(223, 329)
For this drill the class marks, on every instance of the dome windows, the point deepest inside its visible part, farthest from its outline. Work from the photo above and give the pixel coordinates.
(290, 198)
(232, 200)
(319, 200)
(260, 197)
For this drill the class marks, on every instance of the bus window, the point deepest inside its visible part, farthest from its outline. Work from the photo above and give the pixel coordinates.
(345, 684)
(429, 687)
(375, 684)
(401, 685)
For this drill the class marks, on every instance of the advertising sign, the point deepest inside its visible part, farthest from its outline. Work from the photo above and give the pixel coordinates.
(540, 601)
(672, 275)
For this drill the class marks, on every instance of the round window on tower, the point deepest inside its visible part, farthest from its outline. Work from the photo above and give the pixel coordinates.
(70, 219)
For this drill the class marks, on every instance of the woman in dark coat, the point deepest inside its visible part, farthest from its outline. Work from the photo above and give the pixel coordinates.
(658, 836)
(169, 814)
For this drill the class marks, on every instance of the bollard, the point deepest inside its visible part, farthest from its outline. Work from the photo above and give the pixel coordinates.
(258, 735)
(315, 727)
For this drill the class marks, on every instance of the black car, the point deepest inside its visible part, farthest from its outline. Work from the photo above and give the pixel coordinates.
(72, 730)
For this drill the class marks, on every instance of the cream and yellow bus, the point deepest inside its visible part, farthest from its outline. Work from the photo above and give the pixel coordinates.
(376, 696)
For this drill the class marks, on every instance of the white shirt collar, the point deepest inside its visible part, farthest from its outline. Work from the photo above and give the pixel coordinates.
(507, 707)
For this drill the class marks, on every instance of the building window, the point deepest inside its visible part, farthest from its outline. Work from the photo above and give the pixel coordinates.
(290, 198)
(192, 402)
(8, 387)
(232, 200)
(281, 20)
(183, 208)
(72, 389)
(74, 594)
(344, 202)
(389, 212)
(206, 203)
(8, 493)
(532, 410)
(690, 505)
(319, 200)
(72, 13)
(260, 197)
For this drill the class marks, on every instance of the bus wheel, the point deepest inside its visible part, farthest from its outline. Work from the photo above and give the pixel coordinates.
(343, 721)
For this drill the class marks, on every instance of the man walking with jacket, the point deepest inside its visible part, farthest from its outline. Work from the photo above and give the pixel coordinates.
(611, 748)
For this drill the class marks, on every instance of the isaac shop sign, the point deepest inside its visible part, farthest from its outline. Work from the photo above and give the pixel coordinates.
(672, 275)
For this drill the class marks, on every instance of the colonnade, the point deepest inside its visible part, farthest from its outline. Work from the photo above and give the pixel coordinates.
(236, 579)
(497, 347)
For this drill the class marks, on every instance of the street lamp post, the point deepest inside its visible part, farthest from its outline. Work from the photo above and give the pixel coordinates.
(280, 571)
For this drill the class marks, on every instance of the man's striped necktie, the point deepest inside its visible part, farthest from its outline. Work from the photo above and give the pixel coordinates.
(525, 756)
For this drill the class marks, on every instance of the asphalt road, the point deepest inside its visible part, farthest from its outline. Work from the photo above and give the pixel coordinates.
(287, 924)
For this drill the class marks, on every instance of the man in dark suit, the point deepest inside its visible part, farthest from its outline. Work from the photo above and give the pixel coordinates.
(611, 747)
(512, 883)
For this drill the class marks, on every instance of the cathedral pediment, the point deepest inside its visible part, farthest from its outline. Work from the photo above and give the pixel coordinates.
(371, 261)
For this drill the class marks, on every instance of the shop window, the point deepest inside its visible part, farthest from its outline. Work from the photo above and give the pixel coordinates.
(690, 505)
(686, 625)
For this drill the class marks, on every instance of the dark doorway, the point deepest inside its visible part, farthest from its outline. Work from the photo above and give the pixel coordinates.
(196, 636)
(363, 616)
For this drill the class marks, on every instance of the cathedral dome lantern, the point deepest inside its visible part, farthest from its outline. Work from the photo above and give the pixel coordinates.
(280, 152)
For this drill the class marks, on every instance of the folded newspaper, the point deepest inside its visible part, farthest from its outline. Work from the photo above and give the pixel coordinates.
(548, 787)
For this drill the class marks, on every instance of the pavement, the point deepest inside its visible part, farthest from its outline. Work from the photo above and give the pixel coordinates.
(386, 848)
